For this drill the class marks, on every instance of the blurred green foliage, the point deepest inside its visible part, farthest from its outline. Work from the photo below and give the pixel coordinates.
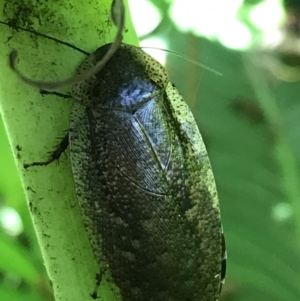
(250, 122)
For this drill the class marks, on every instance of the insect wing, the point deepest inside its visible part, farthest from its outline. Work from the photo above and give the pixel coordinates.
(148, 194)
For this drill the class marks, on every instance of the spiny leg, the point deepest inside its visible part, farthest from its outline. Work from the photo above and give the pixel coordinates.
(61, 146)
(44, 92)
(98, 279)
(54, 155)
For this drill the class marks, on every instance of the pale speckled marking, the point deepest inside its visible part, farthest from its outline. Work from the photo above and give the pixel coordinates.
(196, 152)
(196, 147)
(83, 168)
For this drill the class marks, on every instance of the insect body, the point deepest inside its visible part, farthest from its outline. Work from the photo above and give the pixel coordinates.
(147, 188)
(144, 181)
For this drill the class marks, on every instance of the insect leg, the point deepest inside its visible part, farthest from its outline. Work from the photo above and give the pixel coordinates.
(61, 146)
(98, 279)
(54, 155)
(44, 92)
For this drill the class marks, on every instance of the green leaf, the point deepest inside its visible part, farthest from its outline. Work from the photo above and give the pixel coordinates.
(34, 123)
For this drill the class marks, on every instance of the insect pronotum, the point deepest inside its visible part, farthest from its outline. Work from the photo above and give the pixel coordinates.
(142, 176)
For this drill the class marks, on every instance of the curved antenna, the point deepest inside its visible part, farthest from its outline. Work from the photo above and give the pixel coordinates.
(118, 17)
(39, 34)
(186, 58)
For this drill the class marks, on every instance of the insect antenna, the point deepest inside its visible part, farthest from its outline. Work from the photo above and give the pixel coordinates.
(194, 62)
(118, 17)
